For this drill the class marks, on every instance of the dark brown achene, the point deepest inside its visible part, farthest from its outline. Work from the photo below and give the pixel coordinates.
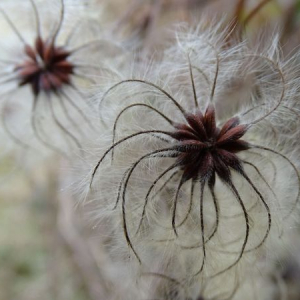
(46, 67)
(208, 150)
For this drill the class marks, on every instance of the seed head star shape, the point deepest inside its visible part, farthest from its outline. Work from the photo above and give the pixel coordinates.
(208, 150)
(45, 68)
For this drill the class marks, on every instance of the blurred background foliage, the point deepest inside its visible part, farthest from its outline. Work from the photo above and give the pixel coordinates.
(38, 261)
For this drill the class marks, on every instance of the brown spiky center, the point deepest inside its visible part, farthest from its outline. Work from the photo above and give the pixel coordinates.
(206, 150)
(45, 68)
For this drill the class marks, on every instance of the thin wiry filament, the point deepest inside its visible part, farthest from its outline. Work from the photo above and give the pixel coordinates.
(281, 97)
(246, 217)
(181, 109)
(256, 202)
(215, 229)
(172, 167)
(216, 206)
(12, 25)
(203, 74)
(266, 207)
(36, 131)
(182, 181)
(214, 85)
(193, 83)
(75, 106)
(294, 168)
(168, 278)
(61, 126)
(126, 98)
(120, 188)
(261, 176)
(124, 196)
(121, 141)
(190, 205)
(166, 183)
(216, 74)
(202, 185)
(269, 161)
(37, 18)
(60, 22)
(68, 116)
(87, 45)
(129, 107)
(5, 125)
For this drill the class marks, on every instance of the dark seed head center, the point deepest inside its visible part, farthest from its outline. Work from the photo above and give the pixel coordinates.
(206, 150)
(46, 67)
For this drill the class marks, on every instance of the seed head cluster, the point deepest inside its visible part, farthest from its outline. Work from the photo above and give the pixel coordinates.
(202, 191)
(208, 150)
(52, 69)
(45, 68)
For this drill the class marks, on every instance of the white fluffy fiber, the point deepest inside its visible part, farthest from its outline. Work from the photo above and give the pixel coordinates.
(247, 78)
